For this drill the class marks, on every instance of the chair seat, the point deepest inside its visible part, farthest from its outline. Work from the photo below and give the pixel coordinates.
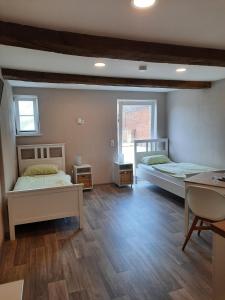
(207, 205)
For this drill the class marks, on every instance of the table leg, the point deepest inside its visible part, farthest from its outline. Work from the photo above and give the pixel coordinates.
(218, 267)
(186, 217)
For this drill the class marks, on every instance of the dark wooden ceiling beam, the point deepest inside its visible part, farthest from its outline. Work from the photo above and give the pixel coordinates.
(97, 46)
(33, 76)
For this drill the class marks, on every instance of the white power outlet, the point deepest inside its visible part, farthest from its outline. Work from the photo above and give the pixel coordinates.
(80, 121)
(112, 143)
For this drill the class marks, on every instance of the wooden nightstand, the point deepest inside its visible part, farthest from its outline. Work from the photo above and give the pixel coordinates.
(123, 173)
(83, 174)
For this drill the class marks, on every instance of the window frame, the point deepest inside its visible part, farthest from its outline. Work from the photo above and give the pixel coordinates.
(34, 99)
(154, 122)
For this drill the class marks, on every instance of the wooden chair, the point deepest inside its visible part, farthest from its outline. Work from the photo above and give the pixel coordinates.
(207, 205)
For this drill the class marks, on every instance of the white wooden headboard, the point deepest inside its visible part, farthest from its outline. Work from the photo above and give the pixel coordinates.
(41, 154)
(149, 147)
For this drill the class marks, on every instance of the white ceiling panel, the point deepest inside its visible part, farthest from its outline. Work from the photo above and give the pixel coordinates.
(26, 59)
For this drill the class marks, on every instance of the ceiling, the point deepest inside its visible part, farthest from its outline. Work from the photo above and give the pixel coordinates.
(27, 59)
(193, 22)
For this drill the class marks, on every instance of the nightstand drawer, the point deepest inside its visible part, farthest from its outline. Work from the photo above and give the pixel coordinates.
(85, 179)
(126, 177)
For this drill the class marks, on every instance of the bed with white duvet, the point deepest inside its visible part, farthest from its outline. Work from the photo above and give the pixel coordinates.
(40, 197)
(167, 174)
(25, 183)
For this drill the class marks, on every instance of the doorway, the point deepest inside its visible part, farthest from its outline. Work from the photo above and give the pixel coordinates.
(136, 120)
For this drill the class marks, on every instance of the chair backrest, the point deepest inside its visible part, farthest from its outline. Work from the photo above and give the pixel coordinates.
(206, 203)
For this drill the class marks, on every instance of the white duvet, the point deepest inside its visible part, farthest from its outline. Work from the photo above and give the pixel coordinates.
(42, 181)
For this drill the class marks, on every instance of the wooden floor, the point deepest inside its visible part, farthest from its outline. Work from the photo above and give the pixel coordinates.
(129, 249)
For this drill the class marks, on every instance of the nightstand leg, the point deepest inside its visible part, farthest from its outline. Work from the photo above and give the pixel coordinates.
(81, 225)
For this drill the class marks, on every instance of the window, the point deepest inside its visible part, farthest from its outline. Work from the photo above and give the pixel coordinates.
(27, 116)
(137, 119)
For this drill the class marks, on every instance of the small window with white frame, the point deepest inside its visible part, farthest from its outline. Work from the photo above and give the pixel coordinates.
(26, 115)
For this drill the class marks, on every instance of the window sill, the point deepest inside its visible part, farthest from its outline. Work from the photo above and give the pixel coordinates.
(29, 135)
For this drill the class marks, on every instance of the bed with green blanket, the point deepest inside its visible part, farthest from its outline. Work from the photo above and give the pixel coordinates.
(152, 164)
(170, 176)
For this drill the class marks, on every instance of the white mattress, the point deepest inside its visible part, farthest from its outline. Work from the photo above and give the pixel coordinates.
(149, 169)
(167, 182)
(42, 181)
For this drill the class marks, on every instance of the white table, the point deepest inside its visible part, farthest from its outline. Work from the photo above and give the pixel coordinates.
(207, 180)
(12, 290)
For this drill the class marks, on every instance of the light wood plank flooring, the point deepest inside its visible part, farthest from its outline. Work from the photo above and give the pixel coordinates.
(130, 249)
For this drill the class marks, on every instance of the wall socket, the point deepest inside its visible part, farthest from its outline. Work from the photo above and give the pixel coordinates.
(112, 143)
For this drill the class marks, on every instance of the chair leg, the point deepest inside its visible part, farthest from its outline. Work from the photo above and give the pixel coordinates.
(190, 232)
(199, 231)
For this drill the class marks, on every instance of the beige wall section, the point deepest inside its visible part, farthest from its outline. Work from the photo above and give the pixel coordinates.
(196, 125)
(59, 110)
(8, 164)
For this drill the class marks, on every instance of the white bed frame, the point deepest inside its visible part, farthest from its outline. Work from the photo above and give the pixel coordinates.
(43, 204)
(152, 147)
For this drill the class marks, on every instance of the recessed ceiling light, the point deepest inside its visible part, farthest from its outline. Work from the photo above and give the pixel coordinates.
(143, 3)
(143, 68)
(180, 70)
(100, 65)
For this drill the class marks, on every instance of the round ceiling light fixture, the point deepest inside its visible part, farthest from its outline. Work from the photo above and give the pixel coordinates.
(143, 3)
(180, 70)
(100, 64)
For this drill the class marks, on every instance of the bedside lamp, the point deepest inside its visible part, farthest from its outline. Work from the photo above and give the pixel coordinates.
(78, 160)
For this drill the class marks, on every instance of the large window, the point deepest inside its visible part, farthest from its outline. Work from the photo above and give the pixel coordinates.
(27, 116)
(136, 120)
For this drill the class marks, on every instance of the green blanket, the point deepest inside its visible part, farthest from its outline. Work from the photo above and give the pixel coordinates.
(181, 170)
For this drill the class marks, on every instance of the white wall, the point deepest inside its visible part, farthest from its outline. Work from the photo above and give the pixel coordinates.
(8, 162)
(59, 110)
(196, 125)
(8, 137)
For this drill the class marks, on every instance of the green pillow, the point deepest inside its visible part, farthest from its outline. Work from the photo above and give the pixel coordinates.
(45, 169)
(155, 159)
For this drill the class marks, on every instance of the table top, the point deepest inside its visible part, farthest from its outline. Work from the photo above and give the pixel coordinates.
(208, 178)
(12, 290)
